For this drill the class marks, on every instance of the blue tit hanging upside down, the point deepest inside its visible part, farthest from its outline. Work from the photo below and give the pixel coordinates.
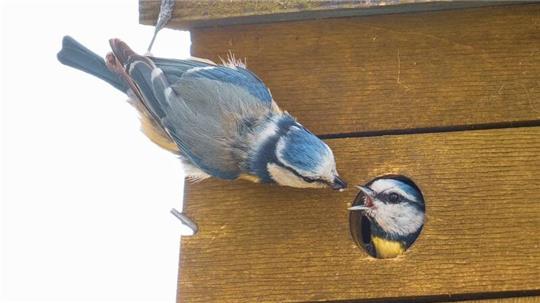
(393, 215)
(221, 120)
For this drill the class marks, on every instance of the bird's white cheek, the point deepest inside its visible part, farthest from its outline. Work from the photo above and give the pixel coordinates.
(284, 177)
(398, 219)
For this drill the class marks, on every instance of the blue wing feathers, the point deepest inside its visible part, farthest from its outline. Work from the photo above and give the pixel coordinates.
(174, 68)
(239, 77)
(196, 102)
(153, 84)
(141, 73)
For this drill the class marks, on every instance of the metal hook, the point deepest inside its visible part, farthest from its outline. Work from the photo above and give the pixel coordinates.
(186, 221)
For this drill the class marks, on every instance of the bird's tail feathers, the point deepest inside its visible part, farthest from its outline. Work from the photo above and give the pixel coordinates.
(79, 57)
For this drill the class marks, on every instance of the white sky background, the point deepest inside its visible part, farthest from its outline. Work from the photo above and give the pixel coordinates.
(85, 196)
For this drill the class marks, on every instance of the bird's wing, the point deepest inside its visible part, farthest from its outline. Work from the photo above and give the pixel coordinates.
(204, 108)
(174, 68)
(209, 118)
(237, 76)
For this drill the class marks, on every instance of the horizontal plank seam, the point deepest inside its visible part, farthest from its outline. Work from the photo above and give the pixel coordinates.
(431, 130)
(448, 298)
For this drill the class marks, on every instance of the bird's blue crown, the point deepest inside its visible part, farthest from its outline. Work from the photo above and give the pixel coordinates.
(302, 149)
(298, 148)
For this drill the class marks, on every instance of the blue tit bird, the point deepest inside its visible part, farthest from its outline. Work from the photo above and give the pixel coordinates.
(392, 215)
(221, 120)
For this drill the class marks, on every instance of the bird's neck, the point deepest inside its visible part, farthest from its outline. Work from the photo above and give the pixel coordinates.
(263, 146)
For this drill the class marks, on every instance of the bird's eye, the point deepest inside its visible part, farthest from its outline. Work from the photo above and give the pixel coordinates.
(313, 180)
(309, 180)
(394, 198)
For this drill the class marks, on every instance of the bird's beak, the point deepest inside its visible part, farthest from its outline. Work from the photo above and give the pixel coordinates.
(338, 184)
(370, 194)
(358, 207)
(367, 191)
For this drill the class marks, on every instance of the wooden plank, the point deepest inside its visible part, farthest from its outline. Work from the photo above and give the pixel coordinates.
(277, 244)
(189, 14)
(506, 300)
(381, 73)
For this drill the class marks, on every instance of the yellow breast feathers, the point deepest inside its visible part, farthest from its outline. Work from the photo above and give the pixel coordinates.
(387, 248)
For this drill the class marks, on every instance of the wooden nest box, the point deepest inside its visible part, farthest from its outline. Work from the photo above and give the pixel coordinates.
(442, 92)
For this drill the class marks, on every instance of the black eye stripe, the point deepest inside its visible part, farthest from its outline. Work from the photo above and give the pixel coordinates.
(307, 179)
(392, 197)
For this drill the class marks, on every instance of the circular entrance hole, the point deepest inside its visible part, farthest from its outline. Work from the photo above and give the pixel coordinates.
(387, 215)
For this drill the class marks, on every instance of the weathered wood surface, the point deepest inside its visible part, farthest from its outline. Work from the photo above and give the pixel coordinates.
(189, 14)
(276, 244)
(437, 69)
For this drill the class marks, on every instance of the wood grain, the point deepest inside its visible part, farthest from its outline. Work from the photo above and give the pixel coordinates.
(436, 69)
(189, 14)
(274, 244)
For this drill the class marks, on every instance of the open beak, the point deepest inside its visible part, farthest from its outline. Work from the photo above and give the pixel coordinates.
(367, 191)
(370, 195)
(338, 184)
